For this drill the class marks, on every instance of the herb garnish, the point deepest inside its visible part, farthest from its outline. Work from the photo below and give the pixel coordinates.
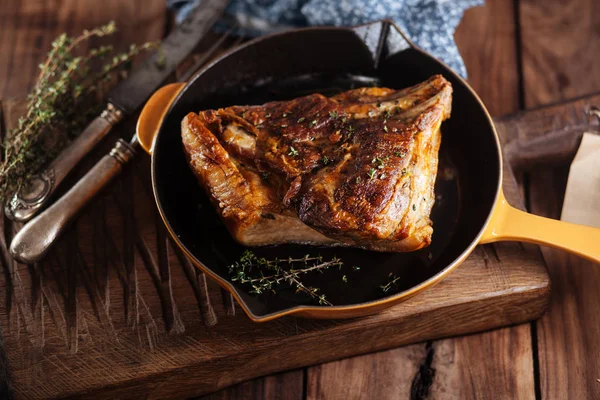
(350, 131)
(267, 275)
(371, 173)
(333, 114)
(380, 162)
(293, 152)
(301, 119)
(393, 279)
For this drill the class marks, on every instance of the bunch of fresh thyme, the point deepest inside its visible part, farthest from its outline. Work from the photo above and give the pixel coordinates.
(267, 275)
(70, 90)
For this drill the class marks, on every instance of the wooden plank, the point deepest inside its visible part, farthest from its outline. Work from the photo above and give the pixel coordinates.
(486, 39)
(463, 367)
(561, 43)
(383, 375)
(567, 335)
(6, 391)
(285, 386)
(28, 27)
(561, 54)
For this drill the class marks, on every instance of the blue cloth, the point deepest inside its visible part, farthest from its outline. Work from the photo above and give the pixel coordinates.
(429, 23)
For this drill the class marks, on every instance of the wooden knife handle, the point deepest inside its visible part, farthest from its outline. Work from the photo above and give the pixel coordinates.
(32, 242)
(35, 195)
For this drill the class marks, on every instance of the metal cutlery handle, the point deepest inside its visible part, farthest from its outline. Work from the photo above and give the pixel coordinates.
(35, 195)
(32, 242)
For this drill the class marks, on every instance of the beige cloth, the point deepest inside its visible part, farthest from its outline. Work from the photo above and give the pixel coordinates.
(582, 197)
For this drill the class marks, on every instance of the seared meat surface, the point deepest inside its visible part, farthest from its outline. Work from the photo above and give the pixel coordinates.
(354, 169)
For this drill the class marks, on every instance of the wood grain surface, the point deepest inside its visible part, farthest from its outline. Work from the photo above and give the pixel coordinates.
(284, 386)
(567, 336)
(28, 27)
(561, 59)
(128, 297)
(487, 41)
(561, 43)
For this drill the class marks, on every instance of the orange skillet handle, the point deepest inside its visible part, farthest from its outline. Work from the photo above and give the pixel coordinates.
(509, 223)
(153, 113)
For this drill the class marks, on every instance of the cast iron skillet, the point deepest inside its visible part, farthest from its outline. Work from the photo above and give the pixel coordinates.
(469, 208)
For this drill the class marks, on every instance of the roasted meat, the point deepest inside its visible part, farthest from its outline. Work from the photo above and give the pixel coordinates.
(354, 169)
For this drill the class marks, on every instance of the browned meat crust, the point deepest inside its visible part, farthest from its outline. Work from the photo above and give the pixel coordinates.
(356, 169)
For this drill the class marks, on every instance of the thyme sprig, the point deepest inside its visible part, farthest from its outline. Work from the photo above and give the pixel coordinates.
(69, 92)
(393, 279)
(267, 275)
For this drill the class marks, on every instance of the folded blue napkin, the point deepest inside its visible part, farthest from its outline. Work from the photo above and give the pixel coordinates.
(429, 23)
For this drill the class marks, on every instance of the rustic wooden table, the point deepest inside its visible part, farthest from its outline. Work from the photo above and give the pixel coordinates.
(520, 54)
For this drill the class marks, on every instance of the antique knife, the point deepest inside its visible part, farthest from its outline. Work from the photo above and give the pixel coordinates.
(123, 100)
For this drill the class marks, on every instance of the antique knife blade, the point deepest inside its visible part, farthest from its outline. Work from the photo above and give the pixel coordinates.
(123, 100)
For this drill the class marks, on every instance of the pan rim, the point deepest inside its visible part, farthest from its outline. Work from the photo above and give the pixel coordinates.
(329, 312)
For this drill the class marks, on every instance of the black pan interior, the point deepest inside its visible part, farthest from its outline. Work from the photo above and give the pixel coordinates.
(329, 60)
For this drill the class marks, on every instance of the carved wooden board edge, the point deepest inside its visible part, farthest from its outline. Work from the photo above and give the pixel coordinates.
(548, 135)
(226, 371)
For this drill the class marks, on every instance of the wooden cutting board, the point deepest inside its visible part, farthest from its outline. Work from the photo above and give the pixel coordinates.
(116, 312)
